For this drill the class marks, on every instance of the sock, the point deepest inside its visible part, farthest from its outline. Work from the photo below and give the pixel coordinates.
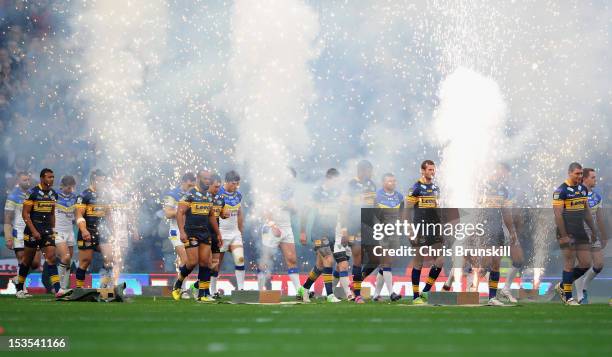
(327, 279)
(183, 273)
(449, 280)
(80, 277)
(568, 277)
(357, 278)
(294, 276)
(493, 280)
(203, 281)
(214, 275)
(344, 282)
(336, 275)
(64, 273)
(589, 276)
(388, 278)
(431, 278)
(23, 274)
(53, 275)
(510, 277)
(312, 277)
(239, 271)
(380, 282)
(416, 279)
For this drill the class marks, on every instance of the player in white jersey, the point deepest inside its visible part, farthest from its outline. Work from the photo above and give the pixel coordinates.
(595, 201)
(13, 222)
(64, 228)
(277, 233)
(171, 199)
(231, 227)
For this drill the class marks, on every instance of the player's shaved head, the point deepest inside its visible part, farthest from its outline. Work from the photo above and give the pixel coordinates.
(574, 166)
(574, 173)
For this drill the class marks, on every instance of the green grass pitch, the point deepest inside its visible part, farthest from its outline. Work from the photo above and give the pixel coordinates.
(166, 327)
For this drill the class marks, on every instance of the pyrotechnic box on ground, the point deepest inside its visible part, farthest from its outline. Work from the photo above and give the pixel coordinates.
(255, 297)
(453, 298)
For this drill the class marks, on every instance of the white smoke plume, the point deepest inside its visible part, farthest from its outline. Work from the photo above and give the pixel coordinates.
(270, 88)
(469, 127)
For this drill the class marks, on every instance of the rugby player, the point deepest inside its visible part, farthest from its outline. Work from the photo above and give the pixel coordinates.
(14, 224)
(595, 201)
(278, 233)
(391, 203)
(571, 211)
(171, 199)
(39, 216)
(93, 219)
(195, 217)
(361, 193)
(421, 206)
(497, 205)
(64, 228)
(231, 226)
(326, 204)
(217, 207)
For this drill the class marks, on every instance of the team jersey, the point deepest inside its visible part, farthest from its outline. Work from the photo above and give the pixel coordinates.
(424, 198)
(573, 199)
(96, 209)
(43, 206)
(493, 198)
(595, 202)
(391, 204)
(14, 202)
(361, 194)
(199, 206)
(171, 199)
(64, 212)
(326, 203)
(232, 202)
(217, 206)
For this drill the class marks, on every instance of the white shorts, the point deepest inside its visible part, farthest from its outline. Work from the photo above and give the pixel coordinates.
(65, 237)
(230, 238)
(173, 236)
(17, 239)
(271, 241)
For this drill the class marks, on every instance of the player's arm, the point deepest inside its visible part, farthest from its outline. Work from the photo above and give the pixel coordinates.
(52, 219)
(25, 214)
(240, 220)
(79, 214)
(181, 213)
(588, 218)
(170, 209)
(603, 234)
(212, 219)
(558, 206)
(509, 223)
(9, 216)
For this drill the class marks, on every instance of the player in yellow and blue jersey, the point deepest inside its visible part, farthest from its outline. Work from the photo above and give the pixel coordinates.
(39, 216)
(571, 209)
(326, 207)
(496, 203)
(361, 193)
(422, 204)
(194, 217)
(93, 207)
(595, 201)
